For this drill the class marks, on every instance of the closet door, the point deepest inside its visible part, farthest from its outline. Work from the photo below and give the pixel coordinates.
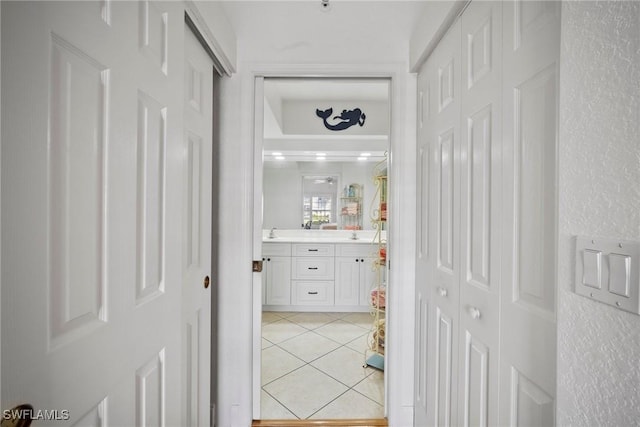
(444, 226)
(93, 160)
(424, 250)
(528, 293)
(480, 214)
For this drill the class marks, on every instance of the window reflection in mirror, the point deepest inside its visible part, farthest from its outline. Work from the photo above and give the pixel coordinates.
(319, 202)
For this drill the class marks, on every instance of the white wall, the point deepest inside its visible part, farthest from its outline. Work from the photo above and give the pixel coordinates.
(282, 196)
(299, 117)
(431, 27)
(598, 346)
(224, 37)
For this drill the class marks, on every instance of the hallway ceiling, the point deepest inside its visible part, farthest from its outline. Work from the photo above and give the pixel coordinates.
(358, 30)
(301, 32)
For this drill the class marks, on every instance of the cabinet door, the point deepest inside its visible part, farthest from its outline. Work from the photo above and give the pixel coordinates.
(347, 285)
(278, 273)
(370, 278)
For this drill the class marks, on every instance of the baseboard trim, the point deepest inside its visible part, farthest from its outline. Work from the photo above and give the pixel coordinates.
(381, 422)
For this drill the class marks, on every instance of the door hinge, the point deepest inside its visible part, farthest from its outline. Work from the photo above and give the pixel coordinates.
(256, 266)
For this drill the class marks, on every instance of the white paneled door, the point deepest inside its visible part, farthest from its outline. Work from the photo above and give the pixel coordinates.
(93, 171)
(485, 291)
(480, 213)
(528, 295)
(198, 104)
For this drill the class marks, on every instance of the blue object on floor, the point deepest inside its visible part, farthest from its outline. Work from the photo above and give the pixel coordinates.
(376, 361)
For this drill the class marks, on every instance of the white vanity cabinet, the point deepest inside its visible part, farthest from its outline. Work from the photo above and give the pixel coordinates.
(312, 274)
(317, 276)
(276, 273)
(355, 275)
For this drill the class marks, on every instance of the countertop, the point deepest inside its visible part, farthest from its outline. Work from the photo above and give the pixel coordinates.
(364, 237)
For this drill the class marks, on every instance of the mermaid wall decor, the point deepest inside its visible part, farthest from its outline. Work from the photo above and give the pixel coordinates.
(344, 120)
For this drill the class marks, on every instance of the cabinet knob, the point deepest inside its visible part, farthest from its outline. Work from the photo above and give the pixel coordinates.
(442, 291)
(357, 260)
(205, 282)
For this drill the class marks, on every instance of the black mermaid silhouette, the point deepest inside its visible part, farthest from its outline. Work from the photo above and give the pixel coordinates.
(348, 118)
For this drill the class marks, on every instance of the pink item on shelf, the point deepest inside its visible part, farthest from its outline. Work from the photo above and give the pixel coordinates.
(378, 298)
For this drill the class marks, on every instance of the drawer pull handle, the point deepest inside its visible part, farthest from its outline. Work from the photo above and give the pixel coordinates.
(475, 312)
(313, 293)
(312, 250)
(442, 291)
(312, 268)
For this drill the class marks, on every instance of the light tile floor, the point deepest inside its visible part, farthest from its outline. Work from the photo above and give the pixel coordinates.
(312, 367)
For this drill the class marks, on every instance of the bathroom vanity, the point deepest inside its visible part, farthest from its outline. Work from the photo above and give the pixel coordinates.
(318, 272)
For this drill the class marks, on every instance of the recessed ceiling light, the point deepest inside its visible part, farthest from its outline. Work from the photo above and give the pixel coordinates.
(365, 154)
(321, 158)
(276, 153)
(321, 154)
(362, 158)
(280, 157)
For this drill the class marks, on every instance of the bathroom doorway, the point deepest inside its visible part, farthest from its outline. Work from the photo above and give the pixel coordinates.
(321, 315)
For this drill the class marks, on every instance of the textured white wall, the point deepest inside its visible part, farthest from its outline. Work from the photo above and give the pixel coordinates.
(598, 346)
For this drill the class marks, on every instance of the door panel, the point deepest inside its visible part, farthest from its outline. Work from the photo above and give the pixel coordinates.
(476, 382)
(91, 175)
(196, 248)
(481, 219)
(444, 370)
(423, 259)
(77, 172)
(528, 303)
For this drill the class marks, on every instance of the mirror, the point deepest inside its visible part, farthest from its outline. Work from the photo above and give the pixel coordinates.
(316, 176)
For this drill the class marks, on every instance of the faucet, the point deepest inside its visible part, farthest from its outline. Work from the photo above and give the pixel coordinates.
(272, 235)
(354, 236)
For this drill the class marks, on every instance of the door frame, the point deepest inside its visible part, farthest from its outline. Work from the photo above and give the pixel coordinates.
(401, 168)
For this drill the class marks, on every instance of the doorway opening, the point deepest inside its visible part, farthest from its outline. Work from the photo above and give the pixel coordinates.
(323, 285)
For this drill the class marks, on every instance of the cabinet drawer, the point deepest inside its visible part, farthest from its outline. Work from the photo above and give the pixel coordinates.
(360, 250)
(300, 249)
(276, 249)
(313, 268)
(313, 293)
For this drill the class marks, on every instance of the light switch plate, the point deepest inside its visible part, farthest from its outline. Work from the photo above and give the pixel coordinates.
(607, 270)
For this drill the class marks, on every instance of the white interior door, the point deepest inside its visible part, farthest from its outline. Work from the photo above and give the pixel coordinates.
(530, 131)
(424, 250)
(480, 213)
(92, 168)
(444, 227)
(198, 104)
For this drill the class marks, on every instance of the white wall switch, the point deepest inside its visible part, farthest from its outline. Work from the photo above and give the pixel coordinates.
(619, 274)
(608, 271)
(592, 268)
